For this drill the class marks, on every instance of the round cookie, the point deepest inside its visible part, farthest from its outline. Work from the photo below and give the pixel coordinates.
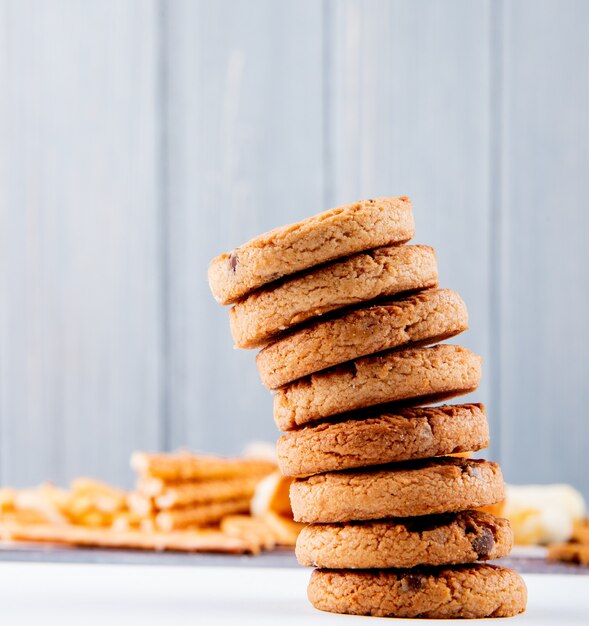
(379, 273)
(406, 434)
(462, 591)
(424, 487)
(426, 317)
(463, 537)
(324, 237)
(417, 374)
(569, 553)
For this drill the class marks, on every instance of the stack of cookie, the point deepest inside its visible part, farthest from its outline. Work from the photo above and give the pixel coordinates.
(345, 313)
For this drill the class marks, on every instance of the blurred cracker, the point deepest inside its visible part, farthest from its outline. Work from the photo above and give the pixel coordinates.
(7, 499)
(185, 466)
(26, 517)
(192, 493)
(85, 485)
(89, 494)
(272, 494)
(94, 519)
(271, 504)
(89, 511)
(147, 524)
(202, 515)
(151, 486)
(284, 529)
(180, 541)
(251, 529)
(139, 504)
(125, 520)
(47, 500)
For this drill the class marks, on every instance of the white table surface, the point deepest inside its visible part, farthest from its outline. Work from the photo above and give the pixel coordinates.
(64, 594)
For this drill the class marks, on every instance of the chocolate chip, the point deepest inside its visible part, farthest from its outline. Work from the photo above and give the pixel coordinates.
(483, 544)
(412, 582)
(233, 261)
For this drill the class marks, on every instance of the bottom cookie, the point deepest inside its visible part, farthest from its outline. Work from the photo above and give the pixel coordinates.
(464, 591)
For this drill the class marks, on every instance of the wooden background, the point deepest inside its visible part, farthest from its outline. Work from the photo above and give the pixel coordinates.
(140, 139)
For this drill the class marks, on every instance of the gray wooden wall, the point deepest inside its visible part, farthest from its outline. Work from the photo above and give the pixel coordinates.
(139, 139)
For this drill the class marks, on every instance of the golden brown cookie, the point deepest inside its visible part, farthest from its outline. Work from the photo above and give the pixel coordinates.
(462, 591)
(424, 487)
(581, 531)
(267, 313)
(330, 235)
(453, 538)
(569, 553)
(411, 433)
(426, 317)
(416, 374)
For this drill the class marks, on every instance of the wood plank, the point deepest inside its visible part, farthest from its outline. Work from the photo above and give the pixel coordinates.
(409, 114)
(245, 155)
(544, 231)
(79, 313)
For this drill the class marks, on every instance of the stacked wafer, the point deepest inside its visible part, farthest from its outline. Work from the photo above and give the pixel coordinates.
(346, 315)
(183, 502)
(182, 490)
(92, 513)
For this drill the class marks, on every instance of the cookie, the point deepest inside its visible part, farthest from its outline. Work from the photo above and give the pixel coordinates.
(581, 531)
(383, 272)
(463, 537)
(426, 317)
(424, 487)
(569, 553)
(416, 374)
(415, 433)
(462, 591)
(333, 234)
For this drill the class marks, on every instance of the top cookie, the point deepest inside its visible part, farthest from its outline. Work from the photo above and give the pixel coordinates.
(329, 235)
